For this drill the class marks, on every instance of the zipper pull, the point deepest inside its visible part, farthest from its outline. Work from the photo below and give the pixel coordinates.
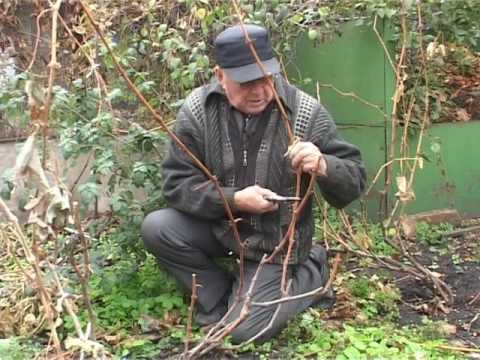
(245, 140)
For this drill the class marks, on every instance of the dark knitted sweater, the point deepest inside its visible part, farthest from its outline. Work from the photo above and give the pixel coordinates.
(206, 124)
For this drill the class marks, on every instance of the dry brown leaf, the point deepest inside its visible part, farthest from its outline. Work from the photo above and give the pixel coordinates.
(53, 201)
(437, 274)
(113, 340)
(362, 240)
(7, 324)
(35, 93)
(149, 323)
(409, 227)
(171, 318)
(447, 329)
(420, 162)
(463, 115)
(404, 193)
(28, 166)
(89, 346)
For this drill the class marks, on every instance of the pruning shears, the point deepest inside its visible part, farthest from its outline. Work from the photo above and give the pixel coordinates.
(278, 198)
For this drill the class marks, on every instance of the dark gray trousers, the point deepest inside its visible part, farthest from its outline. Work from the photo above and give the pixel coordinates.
(185, 245)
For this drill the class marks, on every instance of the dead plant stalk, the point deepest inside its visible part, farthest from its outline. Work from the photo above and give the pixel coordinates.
(193, 300)
(83, 277)
(53, 65)
(34, 262)
(314, 293)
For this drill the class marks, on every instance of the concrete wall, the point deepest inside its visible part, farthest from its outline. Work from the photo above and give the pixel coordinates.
(69, 174)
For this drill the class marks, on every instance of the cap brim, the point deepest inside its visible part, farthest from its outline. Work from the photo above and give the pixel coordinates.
(253, 71)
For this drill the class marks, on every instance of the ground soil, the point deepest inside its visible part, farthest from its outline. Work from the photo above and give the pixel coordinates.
(460, 269)
(457, 262)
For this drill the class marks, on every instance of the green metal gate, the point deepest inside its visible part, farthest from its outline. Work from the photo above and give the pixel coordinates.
(355, 81)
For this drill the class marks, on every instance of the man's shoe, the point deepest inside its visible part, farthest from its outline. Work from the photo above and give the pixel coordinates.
(204, 318)
(326, 301)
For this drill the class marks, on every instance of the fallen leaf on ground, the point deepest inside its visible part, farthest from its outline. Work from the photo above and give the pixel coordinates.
(463, 115)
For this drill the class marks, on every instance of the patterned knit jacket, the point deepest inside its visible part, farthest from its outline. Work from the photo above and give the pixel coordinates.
(203, 125)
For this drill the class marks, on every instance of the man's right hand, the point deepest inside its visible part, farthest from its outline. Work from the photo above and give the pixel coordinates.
(252, 200)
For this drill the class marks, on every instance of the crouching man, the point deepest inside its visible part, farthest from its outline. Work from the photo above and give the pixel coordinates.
(234, 126)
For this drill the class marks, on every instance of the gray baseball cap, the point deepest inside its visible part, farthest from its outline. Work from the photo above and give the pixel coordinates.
(235, 57)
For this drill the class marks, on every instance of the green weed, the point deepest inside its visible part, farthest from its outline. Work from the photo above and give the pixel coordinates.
(139, 349)
(376, 238)
(16, 348)
(365, 235)
(375, 298)
(126, 291)
(432, 235)
(352, 341)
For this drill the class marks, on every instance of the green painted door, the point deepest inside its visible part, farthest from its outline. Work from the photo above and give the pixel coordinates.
(355, 81)
(351, 76)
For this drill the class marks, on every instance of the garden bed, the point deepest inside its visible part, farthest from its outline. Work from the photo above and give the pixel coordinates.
(460, 268)
(456, 260)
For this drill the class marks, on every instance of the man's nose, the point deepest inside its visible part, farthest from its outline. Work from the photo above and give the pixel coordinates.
(258, 88)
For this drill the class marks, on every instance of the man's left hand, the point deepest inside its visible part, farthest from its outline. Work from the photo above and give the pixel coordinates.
(308, 157)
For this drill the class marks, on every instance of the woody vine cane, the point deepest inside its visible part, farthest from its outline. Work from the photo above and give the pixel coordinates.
(297, 208)
(440, 286)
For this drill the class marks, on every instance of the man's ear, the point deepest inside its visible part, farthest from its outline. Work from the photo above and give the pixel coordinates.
(219, 73)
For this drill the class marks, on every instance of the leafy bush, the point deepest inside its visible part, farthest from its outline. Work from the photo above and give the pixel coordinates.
(165, 50)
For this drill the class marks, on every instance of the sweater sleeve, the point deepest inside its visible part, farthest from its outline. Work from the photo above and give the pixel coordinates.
(346, 175)
(185, 186)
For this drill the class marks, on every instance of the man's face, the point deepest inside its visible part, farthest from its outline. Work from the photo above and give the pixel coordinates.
(249, 98)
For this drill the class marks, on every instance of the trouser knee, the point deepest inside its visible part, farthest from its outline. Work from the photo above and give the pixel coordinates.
(153, 229)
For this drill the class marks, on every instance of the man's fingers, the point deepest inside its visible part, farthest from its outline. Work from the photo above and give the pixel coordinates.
(310, 166)
(304, 156)
(315, 164)
(262, 204)
(293, 149)
(298, 157)
(272, 207)
(307, 157)
(267, 206)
